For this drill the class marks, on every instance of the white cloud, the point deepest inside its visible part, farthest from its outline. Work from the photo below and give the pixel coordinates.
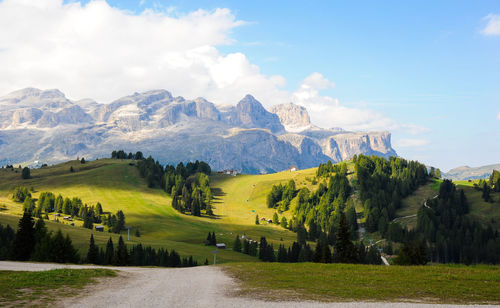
(498, 116)
(493, 25)
(97, 51)
(327, 112)
(410, 143)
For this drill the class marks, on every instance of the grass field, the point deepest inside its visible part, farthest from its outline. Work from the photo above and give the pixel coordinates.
(117, 185)
(346, 282)
(40, 288)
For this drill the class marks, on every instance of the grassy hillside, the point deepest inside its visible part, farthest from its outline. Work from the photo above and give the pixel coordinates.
(486, 212)
(117, 186)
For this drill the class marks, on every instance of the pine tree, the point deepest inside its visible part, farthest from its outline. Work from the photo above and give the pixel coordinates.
(257, 219)
(93, 252)
(237, 244)
(208, 241)
(345, 251)
(25, 173)
(24, 242)
(110, 253)
(121, 255)
(276, 219)
(246, 247)
(282, 254)
(214, 239)
(40, 230)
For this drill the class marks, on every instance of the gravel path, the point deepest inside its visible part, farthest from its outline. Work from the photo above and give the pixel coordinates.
(204, 286)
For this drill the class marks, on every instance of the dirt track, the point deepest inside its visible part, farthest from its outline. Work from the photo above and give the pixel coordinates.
(204, 286)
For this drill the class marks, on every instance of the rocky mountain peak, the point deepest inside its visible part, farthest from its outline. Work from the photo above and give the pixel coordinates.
(292, 116)
(250, 113)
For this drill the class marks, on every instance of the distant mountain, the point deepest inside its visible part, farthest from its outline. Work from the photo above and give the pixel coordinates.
(468, 173)
(45, 126)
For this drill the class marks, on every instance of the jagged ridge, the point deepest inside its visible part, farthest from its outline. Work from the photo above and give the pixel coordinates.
(45, 126)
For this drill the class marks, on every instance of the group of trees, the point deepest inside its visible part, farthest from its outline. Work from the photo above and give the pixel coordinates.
(247, 247)
(450, 235)
(33, 242)
(189, 184)
(321, 210)
(189, 187)
(327, 169)
(120, 154)
(344, 250)
(382, 184)
(489, 187)
(137, 255)
(281, 195)
(48, 202)
(211, 239)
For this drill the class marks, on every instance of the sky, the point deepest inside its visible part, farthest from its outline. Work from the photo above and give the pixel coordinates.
(427, 71)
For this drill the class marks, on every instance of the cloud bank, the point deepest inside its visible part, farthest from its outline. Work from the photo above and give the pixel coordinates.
(492, 26)
(98, 51)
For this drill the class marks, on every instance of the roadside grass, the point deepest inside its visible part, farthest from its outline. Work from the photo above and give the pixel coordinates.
(38, 288)
(447, 284)
(117, 185)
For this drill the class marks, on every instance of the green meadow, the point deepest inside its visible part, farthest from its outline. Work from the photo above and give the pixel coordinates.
(117, 186)
(444, 284)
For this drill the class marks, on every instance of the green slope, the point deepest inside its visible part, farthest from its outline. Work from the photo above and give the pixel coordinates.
(117, 185)
(485, 212)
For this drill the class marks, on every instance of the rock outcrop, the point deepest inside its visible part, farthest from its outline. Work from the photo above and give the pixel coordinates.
(46, 126)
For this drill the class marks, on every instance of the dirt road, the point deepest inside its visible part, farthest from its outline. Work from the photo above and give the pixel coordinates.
(204, 286)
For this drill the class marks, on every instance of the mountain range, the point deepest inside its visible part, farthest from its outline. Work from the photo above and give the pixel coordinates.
(471, 173)
(45, 126)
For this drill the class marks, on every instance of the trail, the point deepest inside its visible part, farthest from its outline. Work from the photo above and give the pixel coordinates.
(203, 286)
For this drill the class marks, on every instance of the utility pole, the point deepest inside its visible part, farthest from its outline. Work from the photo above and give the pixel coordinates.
(215, 254)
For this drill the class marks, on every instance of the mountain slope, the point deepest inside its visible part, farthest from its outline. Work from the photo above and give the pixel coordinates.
(117, 186)
(47, 127)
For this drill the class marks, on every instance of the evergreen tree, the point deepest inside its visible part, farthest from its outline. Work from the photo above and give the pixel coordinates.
(110, 253)
(24, 242)
(345, 251)
(121, 255)
(237, 244)
(301, 235)
(276, 218)
(373, 256)
(40, 230)
(246, 247)
(25, 174)
(93, 252)
(257, 219)
(214, 239)
(284, 223)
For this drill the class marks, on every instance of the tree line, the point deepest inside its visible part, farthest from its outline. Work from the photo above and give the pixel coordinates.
(137, 255)
(343, 249)
(33, 242)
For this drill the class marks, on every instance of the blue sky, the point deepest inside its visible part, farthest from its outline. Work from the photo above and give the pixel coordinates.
(427, 69)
